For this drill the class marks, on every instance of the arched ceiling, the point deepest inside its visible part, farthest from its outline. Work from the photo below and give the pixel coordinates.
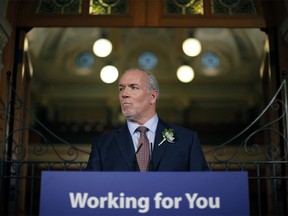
(58, 81)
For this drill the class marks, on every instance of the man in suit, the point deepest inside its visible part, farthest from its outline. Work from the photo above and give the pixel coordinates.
(178, 149)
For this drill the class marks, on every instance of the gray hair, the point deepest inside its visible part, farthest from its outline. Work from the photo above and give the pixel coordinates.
(152, 82)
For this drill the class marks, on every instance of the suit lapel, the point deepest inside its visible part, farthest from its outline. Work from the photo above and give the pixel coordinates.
(158, 151)
(125, 143)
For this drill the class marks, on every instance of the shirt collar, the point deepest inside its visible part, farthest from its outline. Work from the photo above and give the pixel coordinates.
(151, 124)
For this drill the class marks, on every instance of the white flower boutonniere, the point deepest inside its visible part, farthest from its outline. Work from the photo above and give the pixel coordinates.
(167, 135)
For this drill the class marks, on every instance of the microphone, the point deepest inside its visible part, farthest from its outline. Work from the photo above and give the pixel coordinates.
(135, 163)
(151, 161)
(138, 149)
(135, 166)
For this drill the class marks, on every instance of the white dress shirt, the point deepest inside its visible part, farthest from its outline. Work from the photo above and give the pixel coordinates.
(151, 124)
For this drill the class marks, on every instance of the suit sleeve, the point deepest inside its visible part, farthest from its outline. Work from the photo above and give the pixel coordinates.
(94, 163)
(197, 159)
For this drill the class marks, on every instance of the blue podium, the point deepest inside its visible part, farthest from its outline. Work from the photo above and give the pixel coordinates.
(137, 193)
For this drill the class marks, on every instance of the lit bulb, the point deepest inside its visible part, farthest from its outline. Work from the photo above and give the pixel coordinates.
(185, 73)
(102, 47)
(109, 74)
(191, 47)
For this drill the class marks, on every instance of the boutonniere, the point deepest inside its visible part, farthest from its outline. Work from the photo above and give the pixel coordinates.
(167, 135)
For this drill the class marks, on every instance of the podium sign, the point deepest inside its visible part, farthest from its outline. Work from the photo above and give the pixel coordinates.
(138, 193)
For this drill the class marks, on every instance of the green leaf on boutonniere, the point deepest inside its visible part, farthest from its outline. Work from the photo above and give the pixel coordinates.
(167, 135)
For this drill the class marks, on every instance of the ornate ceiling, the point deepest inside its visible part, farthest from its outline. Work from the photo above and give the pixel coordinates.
(68, 91)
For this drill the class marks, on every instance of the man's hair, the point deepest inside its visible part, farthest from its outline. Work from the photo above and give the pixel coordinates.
(152, 82)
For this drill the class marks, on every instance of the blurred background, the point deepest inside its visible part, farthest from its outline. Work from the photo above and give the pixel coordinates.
(75, 94)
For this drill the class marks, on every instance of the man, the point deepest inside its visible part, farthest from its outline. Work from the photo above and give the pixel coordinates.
(172, 148)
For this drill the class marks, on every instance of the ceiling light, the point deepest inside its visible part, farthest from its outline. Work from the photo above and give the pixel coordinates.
(185, 73)
(191, 47)
(109, 74)
(102, 47)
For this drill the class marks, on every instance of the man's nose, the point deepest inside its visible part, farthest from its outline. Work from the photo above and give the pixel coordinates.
(125, 93)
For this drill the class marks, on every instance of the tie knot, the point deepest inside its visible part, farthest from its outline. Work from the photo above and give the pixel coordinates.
(142, 129)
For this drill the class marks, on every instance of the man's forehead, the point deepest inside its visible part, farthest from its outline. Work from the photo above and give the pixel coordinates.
(130, 78)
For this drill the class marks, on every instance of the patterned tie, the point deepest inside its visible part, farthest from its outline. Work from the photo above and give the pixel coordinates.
(143, 152)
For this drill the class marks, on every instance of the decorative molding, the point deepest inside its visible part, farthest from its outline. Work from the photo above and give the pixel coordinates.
(5, 32)
(284, 26)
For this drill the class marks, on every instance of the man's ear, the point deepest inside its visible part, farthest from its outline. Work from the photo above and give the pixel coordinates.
(154, 97)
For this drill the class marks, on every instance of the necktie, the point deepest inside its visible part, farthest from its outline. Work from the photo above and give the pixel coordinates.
(143, 152)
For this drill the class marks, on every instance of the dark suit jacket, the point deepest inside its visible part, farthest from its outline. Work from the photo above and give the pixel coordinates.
(114, 151)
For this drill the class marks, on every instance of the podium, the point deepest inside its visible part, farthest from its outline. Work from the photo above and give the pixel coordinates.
(144, 193)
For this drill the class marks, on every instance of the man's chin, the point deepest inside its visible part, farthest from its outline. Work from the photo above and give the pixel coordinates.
(130, 118)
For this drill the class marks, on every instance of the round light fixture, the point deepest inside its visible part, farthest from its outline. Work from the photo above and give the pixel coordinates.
(185, 73)
(109, 74)
(102, 47)
(191, 47)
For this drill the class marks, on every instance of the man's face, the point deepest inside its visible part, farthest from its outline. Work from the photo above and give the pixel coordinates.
(137, 101)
